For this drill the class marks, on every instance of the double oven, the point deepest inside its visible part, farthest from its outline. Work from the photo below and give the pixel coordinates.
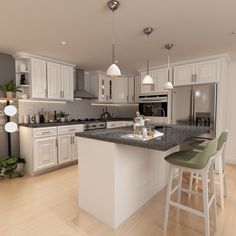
(156, 107)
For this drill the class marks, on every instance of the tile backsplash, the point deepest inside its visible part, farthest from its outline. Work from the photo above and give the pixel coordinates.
(77, 109)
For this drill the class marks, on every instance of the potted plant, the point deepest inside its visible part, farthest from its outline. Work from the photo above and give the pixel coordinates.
(62, 116)
(11, 167)
(9, 89)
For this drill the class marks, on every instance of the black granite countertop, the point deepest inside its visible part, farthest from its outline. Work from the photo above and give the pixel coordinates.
(51, 124)
(173, 135)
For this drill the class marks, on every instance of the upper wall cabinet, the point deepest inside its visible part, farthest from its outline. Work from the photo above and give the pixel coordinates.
(43, 78)
(38, 78)
(120, 90)
(60, 81)
(160, 77)
(197, 73)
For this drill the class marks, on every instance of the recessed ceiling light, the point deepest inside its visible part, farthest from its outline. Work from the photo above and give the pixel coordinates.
(63, 43)
(234, 31)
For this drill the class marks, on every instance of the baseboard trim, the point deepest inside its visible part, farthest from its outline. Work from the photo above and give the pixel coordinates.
(231, 161)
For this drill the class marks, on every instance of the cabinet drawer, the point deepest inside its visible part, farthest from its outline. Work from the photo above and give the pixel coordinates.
(44, 132)
(114, 124)
(70, 129)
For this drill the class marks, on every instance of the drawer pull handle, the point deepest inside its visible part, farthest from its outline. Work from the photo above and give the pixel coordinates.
(71, 129)
(46, 132)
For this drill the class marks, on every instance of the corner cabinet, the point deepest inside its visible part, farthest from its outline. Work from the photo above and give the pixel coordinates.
(197, 73)
(38, 78)
(46, 78)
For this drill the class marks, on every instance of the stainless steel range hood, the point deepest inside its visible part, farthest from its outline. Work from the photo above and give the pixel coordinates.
(80, 91)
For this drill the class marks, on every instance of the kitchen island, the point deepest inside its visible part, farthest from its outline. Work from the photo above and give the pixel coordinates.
(117, 176)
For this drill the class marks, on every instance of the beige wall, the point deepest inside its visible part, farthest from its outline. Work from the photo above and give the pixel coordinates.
(231, 113)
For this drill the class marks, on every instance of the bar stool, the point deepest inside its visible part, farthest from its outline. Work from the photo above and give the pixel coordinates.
(220, 165)
(197, 162)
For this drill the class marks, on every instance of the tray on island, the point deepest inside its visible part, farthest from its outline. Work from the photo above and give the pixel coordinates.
(157, 134)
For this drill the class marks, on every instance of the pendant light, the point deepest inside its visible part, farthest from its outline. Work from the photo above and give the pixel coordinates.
(113, 70)
(147, 79)
(168, 85)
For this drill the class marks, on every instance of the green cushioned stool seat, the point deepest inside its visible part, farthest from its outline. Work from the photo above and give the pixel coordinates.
(198, 145)
(192, 159)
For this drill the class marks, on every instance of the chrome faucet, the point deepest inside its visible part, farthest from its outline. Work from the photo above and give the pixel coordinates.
(164, 115)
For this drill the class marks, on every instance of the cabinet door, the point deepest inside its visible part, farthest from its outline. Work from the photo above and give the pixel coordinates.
(64, 148)
(54, 80)
(75, 153)
(120, 89)
(160, 77)
(38, 78)
(183, 75)
(131, 89)
(45, 153)
(207, 72)
(146, 88)
(104, 88)
(67, 82)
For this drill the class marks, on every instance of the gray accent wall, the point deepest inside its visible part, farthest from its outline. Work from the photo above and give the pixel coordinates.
(7, 73)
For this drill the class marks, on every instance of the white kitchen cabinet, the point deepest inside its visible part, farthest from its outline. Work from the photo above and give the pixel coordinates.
(160, 79)
(120, 90)
(184, 74)
(131, 89)
(64, 148)
(198, 73)
(47, 148)
(38, 78)
(67, 82)
(54, 80)
(104, 88)
(207, 71)
(60, 81)
(45, 153)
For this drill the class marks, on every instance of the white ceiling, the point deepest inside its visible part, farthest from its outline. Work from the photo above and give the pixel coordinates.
(197, 28)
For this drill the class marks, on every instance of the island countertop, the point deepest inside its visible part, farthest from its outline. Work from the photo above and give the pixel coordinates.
(173, 135)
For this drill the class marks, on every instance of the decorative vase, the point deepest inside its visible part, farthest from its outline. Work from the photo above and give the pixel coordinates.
(9, 94)
(63, 119)
(20, 167)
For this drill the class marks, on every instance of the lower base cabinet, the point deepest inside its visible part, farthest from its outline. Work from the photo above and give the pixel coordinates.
(47, 148)
(45, 153)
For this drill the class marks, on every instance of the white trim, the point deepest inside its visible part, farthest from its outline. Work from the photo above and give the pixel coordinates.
(25, 55)
(194, 60)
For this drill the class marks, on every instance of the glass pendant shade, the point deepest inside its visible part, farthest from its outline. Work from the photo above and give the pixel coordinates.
(168, 86)
(113, 71)
(147, 80)
(10, 127)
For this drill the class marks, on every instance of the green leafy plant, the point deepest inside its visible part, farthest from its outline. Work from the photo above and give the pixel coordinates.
(8, 166)
(10, 87)
(62, 114)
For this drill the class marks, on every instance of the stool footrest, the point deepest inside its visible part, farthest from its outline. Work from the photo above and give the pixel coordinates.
(189, 209)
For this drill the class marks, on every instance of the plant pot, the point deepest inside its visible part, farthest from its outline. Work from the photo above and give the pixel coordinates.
(20, 167)
(63, 119)
(9, 94)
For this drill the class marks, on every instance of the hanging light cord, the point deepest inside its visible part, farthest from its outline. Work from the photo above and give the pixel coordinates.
(168, 59)
(113, 38)
(148, 54)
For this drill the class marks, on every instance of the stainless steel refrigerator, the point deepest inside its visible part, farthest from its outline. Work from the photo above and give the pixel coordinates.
(195, 105)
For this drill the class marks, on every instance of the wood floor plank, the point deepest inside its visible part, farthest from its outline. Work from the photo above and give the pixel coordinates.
(46, 205)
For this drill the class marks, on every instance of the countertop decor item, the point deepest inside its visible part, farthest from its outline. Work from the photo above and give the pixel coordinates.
(113, 70)
(168, 85)
(62, 116)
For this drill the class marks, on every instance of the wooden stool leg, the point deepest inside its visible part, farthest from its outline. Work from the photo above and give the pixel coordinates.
(212, 185)
(205, 203)
(180, 189)
(168, 196)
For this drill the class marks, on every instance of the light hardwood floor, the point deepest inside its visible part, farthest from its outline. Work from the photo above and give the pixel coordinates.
(46, 205)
